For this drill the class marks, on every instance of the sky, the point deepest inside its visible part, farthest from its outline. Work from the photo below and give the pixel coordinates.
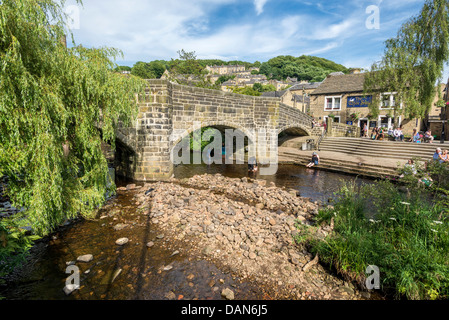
(349, 32)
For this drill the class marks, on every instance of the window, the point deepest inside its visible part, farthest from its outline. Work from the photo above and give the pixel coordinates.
(336, 119)
(332, 103)
(384, 122)
(388, 100)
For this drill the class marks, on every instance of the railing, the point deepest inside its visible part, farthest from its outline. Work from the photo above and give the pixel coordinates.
(320, 139)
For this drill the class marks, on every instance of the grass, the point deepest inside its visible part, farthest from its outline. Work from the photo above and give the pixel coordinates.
(399, 232)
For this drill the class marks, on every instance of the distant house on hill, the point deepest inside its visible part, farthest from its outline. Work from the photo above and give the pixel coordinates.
(297, 96)
(225, 70)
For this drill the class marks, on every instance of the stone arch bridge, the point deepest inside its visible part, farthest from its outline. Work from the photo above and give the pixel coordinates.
(143, 150)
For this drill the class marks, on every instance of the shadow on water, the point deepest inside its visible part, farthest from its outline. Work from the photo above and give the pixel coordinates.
(134, 271)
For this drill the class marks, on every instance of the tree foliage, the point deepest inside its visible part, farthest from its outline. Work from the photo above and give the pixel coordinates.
(148, 70)
(52, 96)
(309, 68)
(413, 61)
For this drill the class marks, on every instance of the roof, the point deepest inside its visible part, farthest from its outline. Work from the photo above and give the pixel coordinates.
(274, 94)
(341, 83)
(300, 98)
(305, 86)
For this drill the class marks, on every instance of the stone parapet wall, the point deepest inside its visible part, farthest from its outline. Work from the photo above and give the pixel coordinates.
(335, 129)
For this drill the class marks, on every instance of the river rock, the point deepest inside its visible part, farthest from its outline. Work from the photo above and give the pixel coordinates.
(170, 296)
(174, 253)
(228, 294)
(122, 241)
(116, 274)
(68, 289)
(150, 244)
(85, 258)
(120, 226)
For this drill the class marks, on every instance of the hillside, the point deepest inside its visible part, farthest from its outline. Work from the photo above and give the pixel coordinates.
(310, 68)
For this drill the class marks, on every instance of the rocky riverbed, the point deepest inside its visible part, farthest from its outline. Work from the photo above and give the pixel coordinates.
(246, 226)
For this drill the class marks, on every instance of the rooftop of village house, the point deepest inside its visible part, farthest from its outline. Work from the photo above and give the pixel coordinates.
(339, 82)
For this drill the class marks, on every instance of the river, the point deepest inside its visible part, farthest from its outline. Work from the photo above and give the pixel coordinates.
(138, 271)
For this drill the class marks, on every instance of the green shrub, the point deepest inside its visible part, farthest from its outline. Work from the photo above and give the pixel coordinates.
(405, 234)
(14, 245)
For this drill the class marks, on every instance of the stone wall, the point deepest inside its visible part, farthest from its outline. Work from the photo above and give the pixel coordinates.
(335, 129)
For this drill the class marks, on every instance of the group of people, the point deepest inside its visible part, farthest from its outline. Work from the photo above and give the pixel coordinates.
(317, 124)
(379, 133)
(410, 169)
(419, 138)
(442, 156)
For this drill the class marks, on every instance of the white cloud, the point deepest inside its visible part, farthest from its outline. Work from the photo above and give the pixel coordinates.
(259, 4)
(147, 30)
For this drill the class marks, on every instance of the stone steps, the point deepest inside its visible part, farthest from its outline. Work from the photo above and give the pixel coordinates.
(363, 169)
(380, 149)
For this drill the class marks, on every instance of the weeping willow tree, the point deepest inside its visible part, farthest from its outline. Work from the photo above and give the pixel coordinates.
(413, 62)
(54, 98)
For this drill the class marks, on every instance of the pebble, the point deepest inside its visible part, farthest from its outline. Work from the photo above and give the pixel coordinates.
(68, 289)
(85, 258)
(228, 294)
(121, 241)
(150, 244)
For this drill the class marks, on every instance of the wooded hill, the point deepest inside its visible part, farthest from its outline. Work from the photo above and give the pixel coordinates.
(310, 68)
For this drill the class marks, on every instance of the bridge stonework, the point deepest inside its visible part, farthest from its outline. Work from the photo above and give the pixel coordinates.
(167, 107)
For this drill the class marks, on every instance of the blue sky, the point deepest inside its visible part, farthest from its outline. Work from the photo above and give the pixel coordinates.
(248, 30)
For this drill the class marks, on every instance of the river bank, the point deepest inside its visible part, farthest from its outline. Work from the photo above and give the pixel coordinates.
(191, 238)
(246, 226)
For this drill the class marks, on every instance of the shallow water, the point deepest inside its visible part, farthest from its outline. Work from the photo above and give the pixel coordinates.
(142, 274)
(318, 185)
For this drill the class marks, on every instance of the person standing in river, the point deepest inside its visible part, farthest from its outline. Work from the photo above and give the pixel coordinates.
(252, 165)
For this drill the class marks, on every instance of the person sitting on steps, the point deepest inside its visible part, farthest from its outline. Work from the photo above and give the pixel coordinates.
(416, 137)
(380, 134)
(374, 134)
(398, 135)
(428, 136)
(315, 160)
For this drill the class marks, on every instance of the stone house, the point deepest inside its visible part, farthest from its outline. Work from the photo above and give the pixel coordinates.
(434, 120)
(222, 70)
(297, 96)
(341, 96)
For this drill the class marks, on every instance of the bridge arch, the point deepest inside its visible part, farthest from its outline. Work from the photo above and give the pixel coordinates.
(212, 124)
(295, 130)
